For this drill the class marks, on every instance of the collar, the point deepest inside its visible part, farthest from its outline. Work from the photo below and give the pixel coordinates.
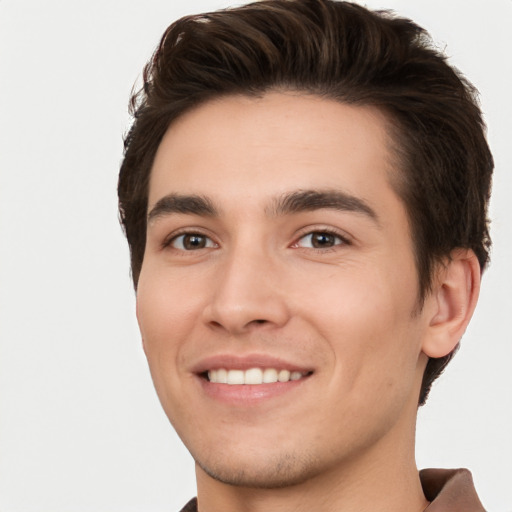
(448, 490)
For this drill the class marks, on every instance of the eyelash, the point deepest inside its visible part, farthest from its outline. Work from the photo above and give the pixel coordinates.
(171, 239)
(324, 231)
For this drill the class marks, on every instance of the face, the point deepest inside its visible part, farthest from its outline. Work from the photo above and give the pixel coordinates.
(277, 294)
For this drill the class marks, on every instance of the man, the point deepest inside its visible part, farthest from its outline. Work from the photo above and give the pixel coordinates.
(304, 192)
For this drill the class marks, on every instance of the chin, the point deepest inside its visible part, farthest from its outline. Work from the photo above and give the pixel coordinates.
(277, 471)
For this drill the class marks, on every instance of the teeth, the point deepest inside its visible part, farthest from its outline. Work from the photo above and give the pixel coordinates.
(284, 376)
(222, 376)
(236, 377)
(269, 375)
(252, 376)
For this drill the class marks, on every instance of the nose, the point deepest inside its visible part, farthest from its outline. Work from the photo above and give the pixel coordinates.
(248, 294)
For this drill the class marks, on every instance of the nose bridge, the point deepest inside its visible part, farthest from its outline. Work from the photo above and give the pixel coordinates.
(248, 291)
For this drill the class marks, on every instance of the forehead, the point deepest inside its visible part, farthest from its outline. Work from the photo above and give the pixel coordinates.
(255, 148)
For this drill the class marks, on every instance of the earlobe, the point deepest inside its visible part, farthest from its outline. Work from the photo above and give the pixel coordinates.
(453, 300)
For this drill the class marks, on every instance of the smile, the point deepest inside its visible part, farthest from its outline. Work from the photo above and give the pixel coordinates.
(253, 376)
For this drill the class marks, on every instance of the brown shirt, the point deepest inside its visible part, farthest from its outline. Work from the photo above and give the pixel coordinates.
(448, 490)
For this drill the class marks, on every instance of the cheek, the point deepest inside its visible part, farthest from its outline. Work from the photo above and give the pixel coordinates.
(166, 308)
(375, 347)
(165, 318)
(165, 321)
(365, 317)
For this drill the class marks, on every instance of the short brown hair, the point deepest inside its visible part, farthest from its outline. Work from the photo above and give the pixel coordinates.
(340, 51)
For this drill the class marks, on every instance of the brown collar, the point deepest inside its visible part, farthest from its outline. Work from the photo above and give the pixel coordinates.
(450, 490)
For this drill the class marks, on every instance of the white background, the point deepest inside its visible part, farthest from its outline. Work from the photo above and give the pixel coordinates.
(80, 425)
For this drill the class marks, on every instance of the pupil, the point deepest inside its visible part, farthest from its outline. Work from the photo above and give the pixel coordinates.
(194, 242)
(323, 240)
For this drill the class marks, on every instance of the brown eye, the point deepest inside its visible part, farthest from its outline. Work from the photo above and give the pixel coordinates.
(192, 242)
(320, 240)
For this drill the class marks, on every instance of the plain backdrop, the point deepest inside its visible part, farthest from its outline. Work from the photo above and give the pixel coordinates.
(80, 425)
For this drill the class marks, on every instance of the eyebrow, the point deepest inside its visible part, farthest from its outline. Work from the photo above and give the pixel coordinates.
(293, 202)
(309, 200)
(185, 204)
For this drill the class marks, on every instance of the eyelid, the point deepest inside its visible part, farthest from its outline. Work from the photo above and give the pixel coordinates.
(309, 230)
(346, 239)
(169, 239)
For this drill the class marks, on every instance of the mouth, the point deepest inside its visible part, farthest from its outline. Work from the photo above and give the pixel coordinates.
(249, 380)
(253, 376)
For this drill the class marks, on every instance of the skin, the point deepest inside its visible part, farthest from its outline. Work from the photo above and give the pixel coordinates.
(347, 310)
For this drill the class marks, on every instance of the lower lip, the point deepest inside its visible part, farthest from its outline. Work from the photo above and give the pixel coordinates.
(247, 394)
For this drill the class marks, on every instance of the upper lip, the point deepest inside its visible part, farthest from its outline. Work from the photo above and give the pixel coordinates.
(237, 362)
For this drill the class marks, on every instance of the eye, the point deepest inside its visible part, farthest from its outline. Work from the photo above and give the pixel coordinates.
(320, 240)
(191, 242)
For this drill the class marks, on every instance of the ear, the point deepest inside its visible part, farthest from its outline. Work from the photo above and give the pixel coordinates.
(452, 302)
